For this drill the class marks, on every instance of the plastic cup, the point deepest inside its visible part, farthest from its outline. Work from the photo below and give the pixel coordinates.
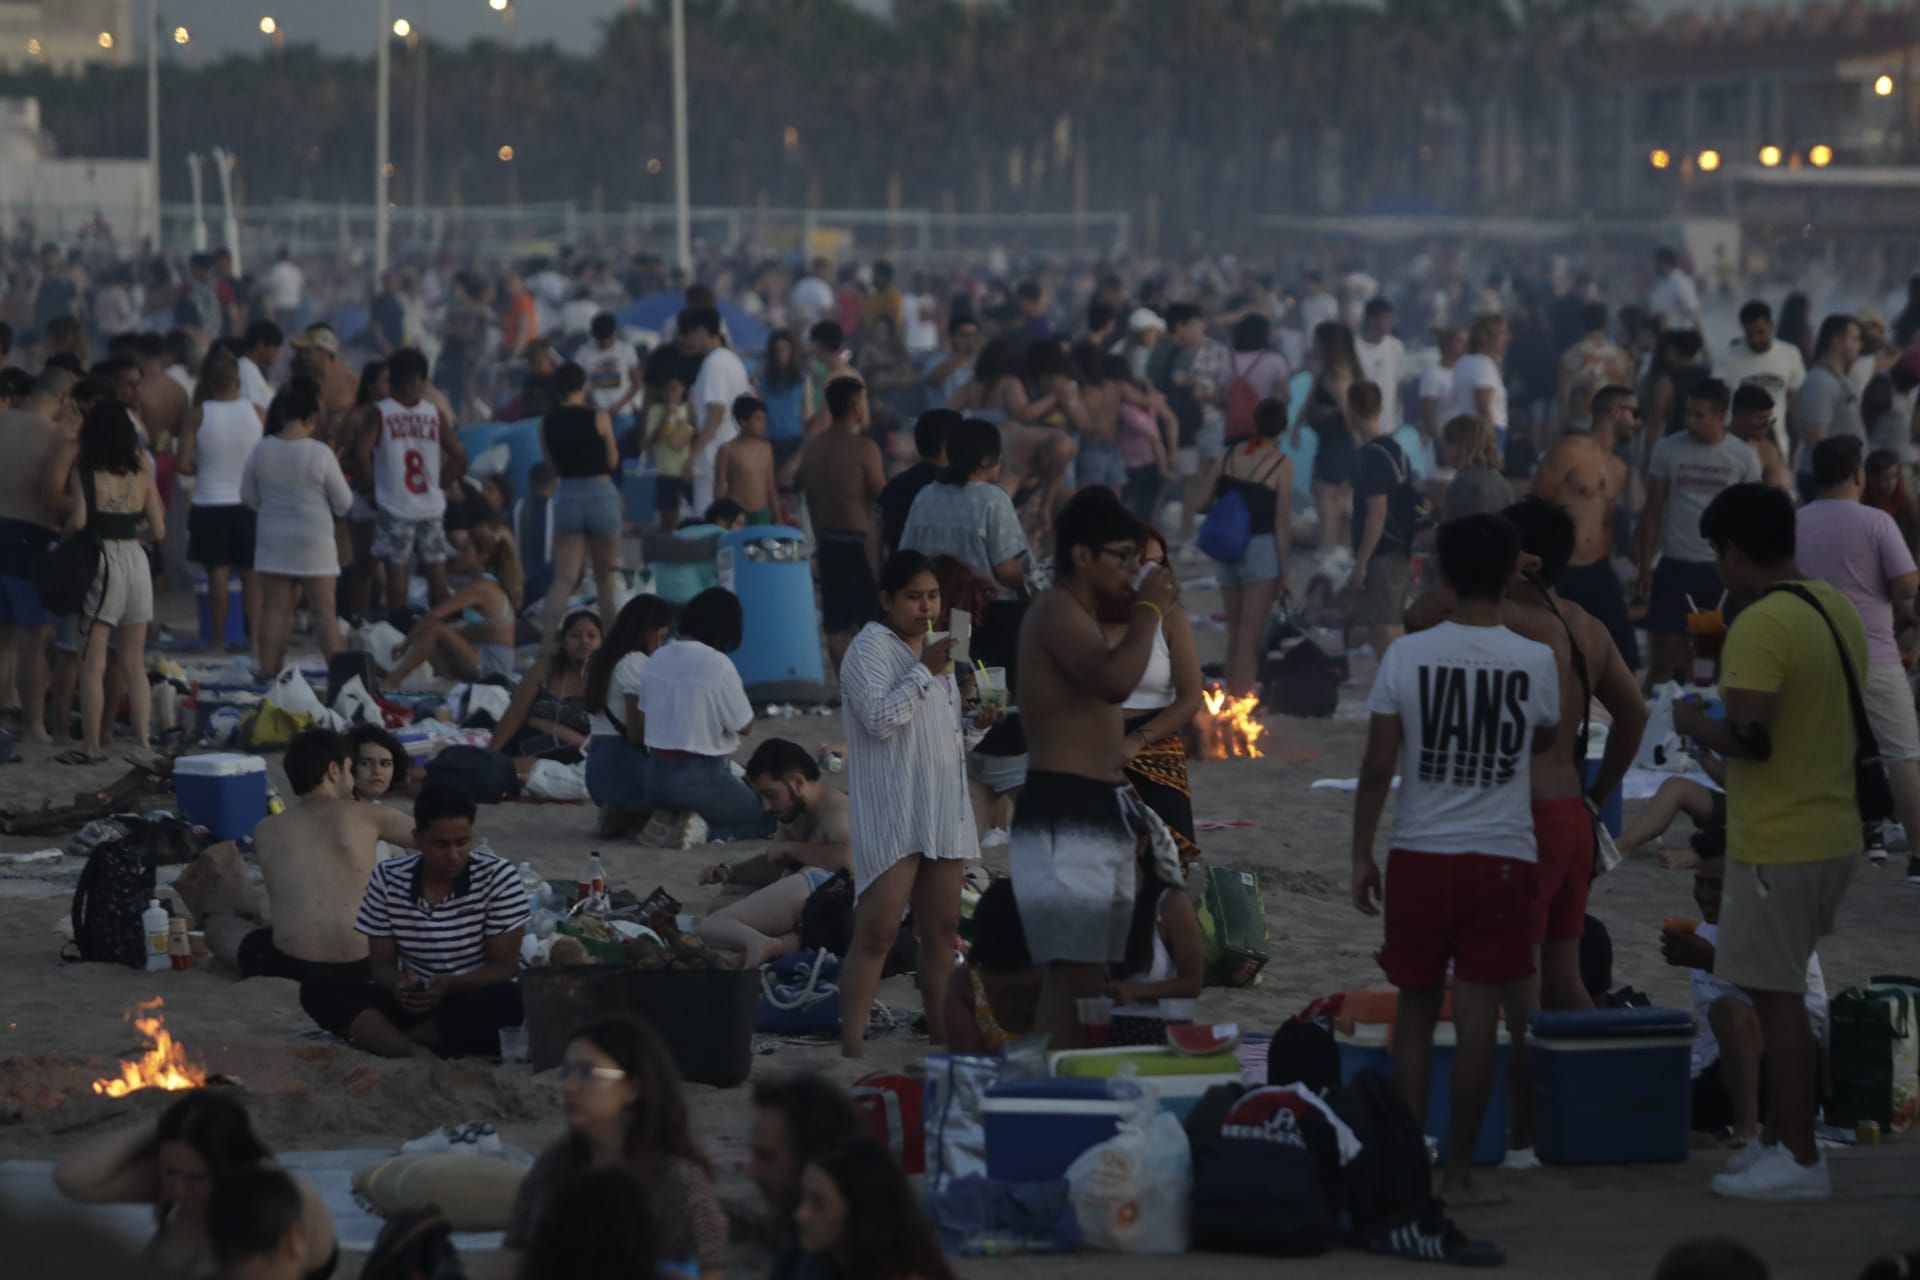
(1707, 630)
(513, 1044)
(993, 688)
(1679, 924)
(1096, 1020)
(1177, 1012)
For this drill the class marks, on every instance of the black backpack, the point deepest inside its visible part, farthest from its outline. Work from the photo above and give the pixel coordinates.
(826, 924)
(1390, 1181)
(415, 1244)
(1261, 1184)
(1297, 676)
(488, 776)
(118, 882)
(1409, 511)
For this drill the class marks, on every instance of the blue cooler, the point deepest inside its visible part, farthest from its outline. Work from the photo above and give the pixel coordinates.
(779, 655)
(236, 637)
(210, 699)
(1611, 1086)
(225, 793)
(636, 493)
(1366, 1050)
(1036, 1128)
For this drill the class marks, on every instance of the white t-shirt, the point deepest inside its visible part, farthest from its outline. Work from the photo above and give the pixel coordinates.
(723, 379)
(1776, 371)
(694, 701)
(919, 327)
(1385, 364)
(286, 282)
(1469, 700)
(812, 295)
(1675, 300)
(1436, 384)
(1470, 374)
(1317, 309)
(609, 371)
(254, 385)
(1709, 988)
(625, 680)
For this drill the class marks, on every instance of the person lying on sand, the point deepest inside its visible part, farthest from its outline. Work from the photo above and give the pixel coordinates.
(172, 1162)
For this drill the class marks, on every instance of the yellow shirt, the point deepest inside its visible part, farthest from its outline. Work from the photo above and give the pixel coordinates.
(1799, 805)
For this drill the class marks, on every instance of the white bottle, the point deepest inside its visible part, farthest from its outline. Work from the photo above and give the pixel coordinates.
(153, 923)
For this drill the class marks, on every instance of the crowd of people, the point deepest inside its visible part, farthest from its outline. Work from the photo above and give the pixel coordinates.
(1004, 484)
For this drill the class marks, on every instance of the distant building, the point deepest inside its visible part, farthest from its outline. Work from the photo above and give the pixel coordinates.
(65, 34)
(59, 195)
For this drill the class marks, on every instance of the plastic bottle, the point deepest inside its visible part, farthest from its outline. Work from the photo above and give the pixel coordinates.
(593, 879)
(179, 950)
(153, 923)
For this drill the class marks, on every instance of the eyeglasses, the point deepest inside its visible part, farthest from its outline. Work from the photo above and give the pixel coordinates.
(1128, 554)
(585, 1071)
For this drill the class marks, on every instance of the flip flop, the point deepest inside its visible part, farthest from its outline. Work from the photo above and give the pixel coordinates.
(1435, 1242)
(78, 758)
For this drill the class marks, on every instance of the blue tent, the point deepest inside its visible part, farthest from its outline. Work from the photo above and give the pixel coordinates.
(523, 446)
(657, 311)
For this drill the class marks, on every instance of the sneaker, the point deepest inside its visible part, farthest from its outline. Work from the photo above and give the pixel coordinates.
(1776, 1175)
(996, 838)
(1745, 1157)
(688, 831)
(1876, 845)
(1913, 869)
(1520, 1158)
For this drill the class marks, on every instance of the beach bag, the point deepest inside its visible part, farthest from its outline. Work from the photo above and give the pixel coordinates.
(415, 1244)
(1242, 400)
(800, 995)
(487, 776)
(954, 1113)
(1131, 1193)
(63, 575)
(1257, 1181)
(1301, 681)
(1233, 928)
(1873, 1056)
(117, 883)
(978, 1215)
(889, 1107)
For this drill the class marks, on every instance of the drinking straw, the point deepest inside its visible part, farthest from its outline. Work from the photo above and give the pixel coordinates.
(1723, 600)
(1691, 606)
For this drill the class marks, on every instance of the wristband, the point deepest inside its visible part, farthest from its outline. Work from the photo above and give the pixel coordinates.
(1148, 604)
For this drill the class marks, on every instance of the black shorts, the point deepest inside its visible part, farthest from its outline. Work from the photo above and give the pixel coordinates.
(468, 1024)
(1674, 583)
(1597, 589)
(260, 957)
(220, 537)
(673, 493)
(849, 597)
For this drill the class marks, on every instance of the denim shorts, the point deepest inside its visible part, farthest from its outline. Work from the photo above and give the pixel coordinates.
(1099, 462)
(586, 506)
(1261, 563)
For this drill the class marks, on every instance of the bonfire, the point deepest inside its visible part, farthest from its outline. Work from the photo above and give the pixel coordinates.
(1229, 727)
(165, 1064)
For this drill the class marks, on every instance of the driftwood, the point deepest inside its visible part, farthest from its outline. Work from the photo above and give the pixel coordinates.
(149, 775)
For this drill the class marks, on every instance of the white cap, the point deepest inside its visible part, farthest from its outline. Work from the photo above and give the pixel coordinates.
(1143, 319)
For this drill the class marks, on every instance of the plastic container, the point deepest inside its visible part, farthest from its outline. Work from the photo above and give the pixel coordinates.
(1611, 1086)
(779, 654)
(1177, 1079)
(225, 793)
(153, 924)
(236, 637)
(1365, 1049)
(1036, 1128)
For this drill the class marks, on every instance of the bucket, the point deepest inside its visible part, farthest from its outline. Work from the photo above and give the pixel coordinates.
(559, 998)
(705, 1016)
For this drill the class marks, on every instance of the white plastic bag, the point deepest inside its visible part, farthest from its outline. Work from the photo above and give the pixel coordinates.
(1660, 747)
(1131, 1193)
(470, 700)
(383, 641)
(291, 692)
(551, 780)
(355, 705)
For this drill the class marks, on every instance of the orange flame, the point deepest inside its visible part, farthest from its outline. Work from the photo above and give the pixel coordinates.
(165, 1065)
(1229, 726)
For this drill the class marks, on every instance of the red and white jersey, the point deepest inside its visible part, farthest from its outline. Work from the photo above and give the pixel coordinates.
(406, 461)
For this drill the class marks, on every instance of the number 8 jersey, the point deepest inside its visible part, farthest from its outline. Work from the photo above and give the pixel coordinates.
(406, 461)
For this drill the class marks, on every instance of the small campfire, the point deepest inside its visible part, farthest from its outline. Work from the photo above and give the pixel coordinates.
(1228, 727)
(165, 1064)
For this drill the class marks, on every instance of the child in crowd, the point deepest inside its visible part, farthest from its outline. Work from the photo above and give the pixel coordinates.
(670, 448)
(744, 468)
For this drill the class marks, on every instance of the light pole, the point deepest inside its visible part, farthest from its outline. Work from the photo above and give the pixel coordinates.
(381, 105)
(417, 49)
(199, 203)
(153, 120)
(682, 207)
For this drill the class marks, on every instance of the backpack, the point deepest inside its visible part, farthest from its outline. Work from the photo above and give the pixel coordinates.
(63, 575)
(800, 995)
(415, 1244)
(1261, 1182)
(488, 776)
(1297, 676)
(118, 882)
(1409, 512)
(1227, 531)
(1389, 1182)
(1873, 1055)
(1242, 400)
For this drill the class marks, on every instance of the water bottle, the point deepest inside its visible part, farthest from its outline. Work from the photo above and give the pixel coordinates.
(593, 879)
(153, 923)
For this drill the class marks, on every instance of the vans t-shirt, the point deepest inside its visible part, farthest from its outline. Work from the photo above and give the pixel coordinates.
(1469, 700)
(609, 369)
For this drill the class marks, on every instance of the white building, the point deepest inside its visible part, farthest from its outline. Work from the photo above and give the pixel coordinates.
(65, 34)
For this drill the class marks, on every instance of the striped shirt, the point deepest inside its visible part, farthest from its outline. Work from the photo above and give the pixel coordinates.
(447, 937)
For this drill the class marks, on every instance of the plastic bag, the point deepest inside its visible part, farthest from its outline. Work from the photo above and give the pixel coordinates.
(551, 780)
(290, 692)
(356, 706)
(480, 705)
(1660, 747)
(1131, 1193)
(383, 641)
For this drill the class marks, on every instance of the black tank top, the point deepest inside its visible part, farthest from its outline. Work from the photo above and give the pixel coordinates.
(578, 452)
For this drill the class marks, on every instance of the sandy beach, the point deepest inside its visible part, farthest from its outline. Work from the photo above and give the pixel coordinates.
(63, 1025)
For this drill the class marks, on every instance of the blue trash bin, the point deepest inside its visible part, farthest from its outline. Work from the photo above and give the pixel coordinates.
(779, 655)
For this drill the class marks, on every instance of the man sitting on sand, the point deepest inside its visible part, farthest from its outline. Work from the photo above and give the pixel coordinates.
(443, 929)
(812, 818)
(1729, 1062)
(316, 859)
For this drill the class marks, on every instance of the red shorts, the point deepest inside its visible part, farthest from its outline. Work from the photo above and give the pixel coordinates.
(1471, 908)
(1563, 829)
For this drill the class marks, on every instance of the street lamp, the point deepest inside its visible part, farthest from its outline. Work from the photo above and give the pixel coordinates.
(1770, 156)
(105, 39)
(1709, 160)
(1661, 158)
(498, 6)
(402, 28)
(1820, 156)
(268, 26)
(182, 36)
(506, 154)
(1883, 87)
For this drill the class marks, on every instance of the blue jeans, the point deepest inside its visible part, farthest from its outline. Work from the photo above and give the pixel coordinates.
(706, 785)
(616, 773)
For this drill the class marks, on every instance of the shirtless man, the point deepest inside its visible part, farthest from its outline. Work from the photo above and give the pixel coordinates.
(743, 469)
(158, 399)
(1074, 837)
(841, 478)
(1584, 473)
(316, 858)
(1590, 666)
(813, 833)
(339, 388)
(1752, 421)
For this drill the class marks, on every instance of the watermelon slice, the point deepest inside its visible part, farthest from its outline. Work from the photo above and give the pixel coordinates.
(1198, 1039)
